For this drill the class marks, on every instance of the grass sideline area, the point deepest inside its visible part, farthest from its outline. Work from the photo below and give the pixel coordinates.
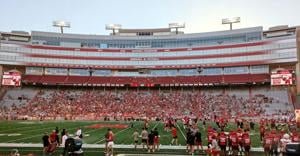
(99, 152)
(32, 132)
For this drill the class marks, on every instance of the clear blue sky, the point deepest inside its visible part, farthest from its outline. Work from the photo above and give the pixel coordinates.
(90, 16)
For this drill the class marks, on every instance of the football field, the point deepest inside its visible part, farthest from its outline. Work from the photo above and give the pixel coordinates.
(30, 132)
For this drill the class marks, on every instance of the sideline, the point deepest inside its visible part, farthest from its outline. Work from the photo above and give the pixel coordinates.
(255, 149)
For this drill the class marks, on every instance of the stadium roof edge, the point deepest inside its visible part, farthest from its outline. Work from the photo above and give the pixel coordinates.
(144, 30)
(188, 35)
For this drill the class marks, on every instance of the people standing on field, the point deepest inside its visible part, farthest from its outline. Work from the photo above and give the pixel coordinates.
(144, 135)
(198, 140)
(222, 142)
(156, 139)
(267, 144)
(190, 139)
(110, 142)
(62, 134)
(79, 133)
(215, 149)
(63, 142)
(174, 136)
(151, 137)
(246, 143)
(275, 142)
(135, 136)
(52, 142)
(234, 143)
(46, 143)
(283, 142)
(240, 140)
(106, 140)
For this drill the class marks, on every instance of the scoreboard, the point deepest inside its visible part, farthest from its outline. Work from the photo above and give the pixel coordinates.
(11, 79)
(282, 77)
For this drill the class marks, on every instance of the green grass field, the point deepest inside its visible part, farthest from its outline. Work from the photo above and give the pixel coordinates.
(32, 132)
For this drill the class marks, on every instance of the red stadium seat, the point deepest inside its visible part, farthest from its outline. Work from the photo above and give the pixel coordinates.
(53, 79)
(31, 78)
(240, 78)
(260, 78)
(77, 79)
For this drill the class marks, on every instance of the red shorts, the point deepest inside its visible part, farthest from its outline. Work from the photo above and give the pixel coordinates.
(212, 151)
(215, 152)
(198, 142)
(156, 140)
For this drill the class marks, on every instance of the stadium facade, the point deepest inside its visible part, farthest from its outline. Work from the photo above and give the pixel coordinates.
(153, 57)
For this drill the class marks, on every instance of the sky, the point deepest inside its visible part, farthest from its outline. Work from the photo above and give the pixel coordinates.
(90, 16)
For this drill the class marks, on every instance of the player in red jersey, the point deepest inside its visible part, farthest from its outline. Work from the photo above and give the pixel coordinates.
(262, 131)
(174, 136)
(210, 135)
(231, 134)
(110, 143)
(295, 137)
(223, 142)
(240, 139)
(246, 143)
(275, 142)
(267, 143)
(234, 143)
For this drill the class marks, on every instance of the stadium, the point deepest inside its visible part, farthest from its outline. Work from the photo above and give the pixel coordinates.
(154, 78)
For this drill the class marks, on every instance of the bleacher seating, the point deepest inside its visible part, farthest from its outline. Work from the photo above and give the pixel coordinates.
(93, 104)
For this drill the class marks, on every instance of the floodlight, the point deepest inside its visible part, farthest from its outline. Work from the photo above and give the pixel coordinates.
(113, 27)
(231, 21)
(61, 24)
(176, 26)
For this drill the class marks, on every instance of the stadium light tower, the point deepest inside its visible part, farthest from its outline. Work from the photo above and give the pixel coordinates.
(61, 24)
(113, 27)
(176, 26)
(231, 21)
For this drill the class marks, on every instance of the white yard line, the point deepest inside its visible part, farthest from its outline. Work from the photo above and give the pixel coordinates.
(181, 131)
(33, 136)
(115, 135)
(155, 125)
(32, 130)
(9, 130)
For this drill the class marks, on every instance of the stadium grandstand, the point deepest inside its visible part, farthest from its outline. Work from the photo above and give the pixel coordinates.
(157, 74)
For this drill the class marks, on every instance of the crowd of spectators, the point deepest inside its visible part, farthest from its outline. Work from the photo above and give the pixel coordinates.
(89, 104)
